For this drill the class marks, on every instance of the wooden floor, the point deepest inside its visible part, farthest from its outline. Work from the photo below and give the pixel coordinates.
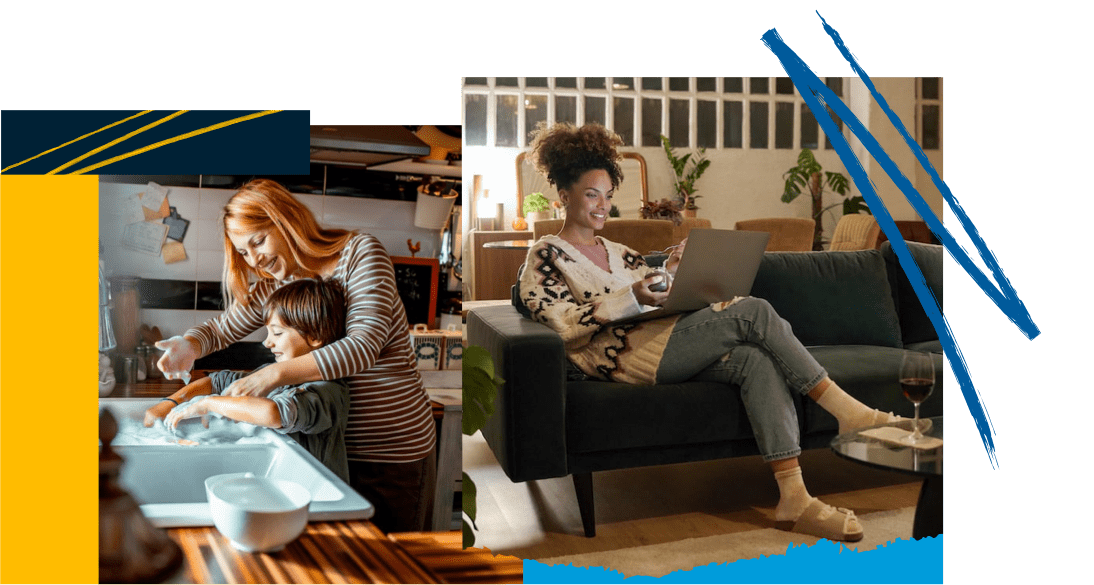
(652, 505)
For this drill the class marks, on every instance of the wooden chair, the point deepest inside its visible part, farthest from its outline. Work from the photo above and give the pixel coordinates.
(855, 232)
(788, 234)
(641, 235)
(681, 231)
(913, 231)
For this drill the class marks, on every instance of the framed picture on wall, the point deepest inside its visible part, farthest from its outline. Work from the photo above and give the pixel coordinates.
(418, 280)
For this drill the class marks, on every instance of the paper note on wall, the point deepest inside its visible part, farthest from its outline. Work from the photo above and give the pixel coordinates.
(173, 252)
(144, 236)
(148, 205)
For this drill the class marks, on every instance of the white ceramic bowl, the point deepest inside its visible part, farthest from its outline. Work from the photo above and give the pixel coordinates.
(257, 514)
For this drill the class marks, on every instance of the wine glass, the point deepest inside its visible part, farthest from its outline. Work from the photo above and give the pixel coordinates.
(917, 382)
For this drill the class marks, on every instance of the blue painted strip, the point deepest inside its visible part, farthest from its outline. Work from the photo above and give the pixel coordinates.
(824, 562)
(813, 91)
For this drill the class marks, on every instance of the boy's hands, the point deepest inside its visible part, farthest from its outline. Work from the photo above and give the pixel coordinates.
(157, 412)
(187, 410)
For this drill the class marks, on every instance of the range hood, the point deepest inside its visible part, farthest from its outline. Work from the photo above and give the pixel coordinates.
(364, 145)
(386, 148)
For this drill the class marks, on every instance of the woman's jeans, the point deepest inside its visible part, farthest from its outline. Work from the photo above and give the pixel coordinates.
(749, 345)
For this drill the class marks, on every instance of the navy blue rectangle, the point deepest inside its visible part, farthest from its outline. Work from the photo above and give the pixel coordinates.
(37, 142)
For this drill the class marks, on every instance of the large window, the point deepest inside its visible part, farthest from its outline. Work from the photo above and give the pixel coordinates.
(928, 106)
(712, 112)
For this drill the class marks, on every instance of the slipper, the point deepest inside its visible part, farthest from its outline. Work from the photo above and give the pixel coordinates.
(883, 418)
(824, 521)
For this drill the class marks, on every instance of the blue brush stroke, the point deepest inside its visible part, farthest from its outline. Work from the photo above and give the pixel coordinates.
(824, 562)
(1007, 300)
(811, 88)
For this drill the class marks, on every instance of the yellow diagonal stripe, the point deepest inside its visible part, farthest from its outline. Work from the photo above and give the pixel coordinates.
(107, 127)
(116, 141)
(175, 139)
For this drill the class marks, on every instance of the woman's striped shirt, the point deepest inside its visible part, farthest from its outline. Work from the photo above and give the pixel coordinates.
(390, 418)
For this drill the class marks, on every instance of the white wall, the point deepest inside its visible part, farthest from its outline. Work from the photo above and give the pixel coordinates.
(390, 221)
(899, 94)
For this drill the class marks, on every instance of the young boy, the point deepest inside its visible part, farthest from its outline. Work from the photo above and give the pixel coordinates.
(300, 316)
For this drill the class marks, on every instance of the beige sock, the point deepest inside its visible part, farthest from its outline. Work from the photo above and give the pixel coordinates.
(793, 497)
(851, 413)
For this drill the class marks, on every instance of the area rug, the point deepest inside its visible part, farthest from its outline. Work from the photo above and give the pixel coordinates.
(658, 560)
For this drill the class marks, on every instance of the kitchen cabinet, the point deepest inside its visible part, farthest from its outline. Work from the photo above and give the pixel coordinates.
(495, 269)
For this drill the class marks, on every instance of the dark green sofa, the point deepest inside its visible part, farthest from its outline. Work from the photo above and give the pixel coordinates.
(855, 311)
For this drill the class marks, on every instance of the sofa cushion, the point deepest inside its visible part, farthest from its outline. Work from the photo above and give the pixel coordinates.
(915, 326)
(831, 298)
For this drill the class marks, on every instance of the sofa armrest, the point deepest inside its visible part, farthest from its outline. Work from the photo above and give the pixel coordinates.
(527, 432)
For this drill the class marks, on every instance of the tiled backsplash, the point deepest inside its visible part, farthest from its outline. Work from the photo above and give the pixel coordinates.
(178, 296)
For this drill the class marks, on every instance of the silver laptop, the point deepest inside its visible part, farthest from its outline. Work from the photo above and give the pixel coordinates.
(717, 265)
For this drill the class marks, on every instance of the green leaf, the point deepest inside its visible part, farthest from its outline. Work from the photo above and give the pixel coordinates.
(536, 202)
(838, 183)
(855, 205)
(807, 163)
(479, 391)
(477, 357)
(470, 494)
(468, 536)
(793, 186)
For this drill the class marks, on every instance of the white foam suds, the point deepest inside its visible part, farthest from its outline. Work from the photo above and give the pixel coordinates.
(221, 431)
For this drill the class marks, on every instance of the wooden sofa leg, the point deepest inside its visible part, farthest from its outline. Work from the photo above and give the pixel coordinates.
(583, 485)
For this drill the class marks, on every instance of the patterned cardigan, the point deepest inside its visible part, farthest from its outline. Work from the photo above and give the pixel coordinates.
(570, 294)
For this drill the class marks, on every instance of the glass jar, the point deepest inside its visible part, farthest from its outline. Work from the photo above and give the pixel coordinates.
(142, 361)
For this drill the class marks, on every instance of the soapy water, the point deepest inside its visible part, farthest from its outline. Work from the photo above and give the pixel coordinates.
(189, 432)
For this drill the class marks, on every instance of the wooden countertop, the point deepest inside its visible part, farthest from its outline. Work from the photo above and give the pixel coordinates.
(344, 552)
(327, 552)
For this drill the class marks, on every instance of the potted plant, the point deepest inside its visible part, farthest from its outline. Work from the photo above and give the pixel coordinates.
(663, 209)
(536, 207)
(686, 176)
(809, 175)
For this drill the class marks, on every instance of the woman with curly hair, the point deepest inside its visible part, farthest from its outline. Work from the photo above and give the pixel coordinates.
(577, 283)
(270, 239)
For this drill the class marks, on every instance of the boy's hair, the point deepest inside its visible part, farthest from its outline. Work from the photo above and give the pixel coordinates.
(316, 308)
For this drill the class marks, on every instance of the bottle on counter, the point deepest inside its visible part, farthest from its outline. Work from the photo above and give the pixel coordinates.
(146, 366)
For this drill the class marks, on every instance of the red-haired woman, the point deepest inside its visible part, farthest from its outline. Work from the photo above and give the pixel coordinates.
(390, 436)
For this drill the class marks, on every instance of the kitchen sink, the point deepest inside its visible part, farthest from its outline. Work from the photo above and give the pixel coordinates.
(168, 480)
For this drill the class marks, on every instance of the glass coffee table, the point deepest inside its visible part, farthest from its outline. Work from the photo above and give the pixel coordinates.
(926, 463)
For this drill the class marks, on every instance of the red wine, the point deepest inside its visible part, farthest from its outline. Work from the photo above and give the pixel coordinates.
(916, 389)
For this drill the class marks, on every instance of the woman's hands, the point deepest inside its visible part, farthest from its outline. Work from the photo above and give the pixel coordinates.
(673, 261)
(259, 383)
(179, 354)
(646, 296)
